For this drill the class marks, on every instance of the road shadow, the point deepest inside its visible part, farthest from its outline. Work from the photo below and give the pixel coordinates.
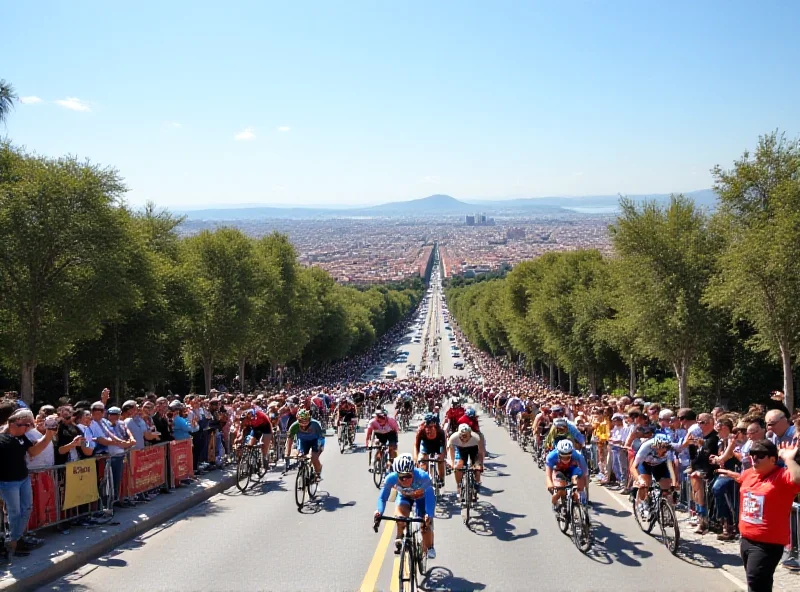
(441, 578)
(487, 520)
(610, 546)
(601, 508)
(324, 502)
(707, 556)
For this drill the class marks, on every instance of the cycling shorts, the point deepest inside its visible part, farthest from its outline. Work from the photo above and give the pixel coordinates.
(658, 472)
(571, 472)
(467, 452)
(306, 446)
(418, 505)
(387, 438)
(257, 432)
(347, 416)
(429, 447)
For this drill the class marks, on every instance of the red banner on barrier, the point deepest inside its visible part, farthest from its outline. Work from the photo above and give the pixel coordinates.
(147, 469)
(180, 461)
(44, 500)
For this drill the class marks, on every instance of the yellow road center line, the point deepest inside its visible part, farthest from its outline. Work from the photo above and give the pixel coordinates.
(374, 569)
(394, 586)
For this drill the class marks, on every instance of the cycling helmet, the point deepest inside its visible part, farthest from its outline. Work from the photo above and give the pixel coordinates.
(303, 415)
(464, 429)
(380, 413)
(429, 418)
(560, 422)
(557, 409)
(247, 414)
(470, 413)
(661, 441)
(565, 448)
(403, 464)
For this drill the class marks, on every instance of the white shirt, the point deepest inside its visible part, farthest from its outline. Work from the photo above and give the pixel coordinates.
(46, 458)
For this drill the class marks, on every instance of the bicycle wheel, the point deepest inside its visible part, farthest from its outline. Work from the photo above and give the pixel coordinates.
(342, 439)
(562, 517)
(645, 525)
(422, 556)
(243, 471)
(260, 464)
(351, 436)
(670, 532)
(467, 480)
(405, 574)
(581, 528)
(300, 486)
(311, 482)
(377, 470)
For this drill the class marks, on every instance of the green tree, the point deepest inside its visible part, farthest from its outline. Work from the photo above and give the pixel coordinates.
(758, 278)
(666, 258)
(219, 274)
(7, 98)
(68, 259)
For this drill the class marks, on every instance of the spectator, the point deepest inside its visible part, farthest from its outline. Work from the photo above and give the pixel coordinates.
(181, 428)
(46, 458)
(161, 420)
(121, 441)
(15, 482)
(722, 488)
(703, 440)
(137, 426)
(70, 441)
(781, 431)
(765, 501)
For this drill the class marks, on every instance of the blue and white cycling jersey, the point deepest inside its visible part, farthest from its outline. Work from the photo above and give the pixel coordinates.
(514, 405)
(647, 454)
(420, 487)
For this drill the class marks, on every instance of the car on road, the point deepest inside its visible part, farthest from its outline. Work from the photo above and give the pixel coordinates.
(455, 353)
(451, 337)
(390, 374)
(458, 364)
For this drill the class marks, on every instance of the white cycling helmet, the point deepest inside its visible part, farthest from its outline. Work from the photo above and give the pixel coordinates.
(464, 429)
(565, 448)
(403, 464)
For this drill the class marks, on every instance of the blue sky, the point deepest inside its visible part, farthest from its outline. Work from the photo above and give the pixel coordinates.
(207, 103)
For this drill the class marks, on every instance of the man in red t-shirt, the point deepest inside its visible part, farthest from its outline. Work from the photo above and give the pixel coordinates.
(453, 415)
(766, 494)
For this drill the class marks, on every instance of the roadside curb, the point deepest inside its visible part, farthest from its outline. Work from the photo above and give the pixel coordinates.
(70, 561)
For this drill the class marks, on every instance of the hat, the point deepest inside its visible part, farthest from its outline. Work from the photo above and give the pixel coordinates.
(97, 405)
(618, 416)
(114, 410)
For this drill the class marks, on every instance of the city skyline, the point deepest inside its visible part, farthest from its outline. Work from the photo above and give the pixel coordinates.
(322, 105)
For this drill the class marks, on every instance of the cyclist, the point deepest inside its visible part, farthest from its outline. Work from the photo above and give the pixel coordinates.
(654, 460)
(414, 487)
(310, 438)
(461, 446)
(404, 405)
(541, 424)
(258, 427)
(346, 413)
(431, 441)
(563, 464)
(453, 415)
(513, 406)
(470, 418)
(525, 419)
(385, 429)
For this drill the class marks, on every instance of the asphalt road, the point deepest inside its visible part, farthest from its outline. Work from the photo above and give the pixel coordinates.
(260, 541)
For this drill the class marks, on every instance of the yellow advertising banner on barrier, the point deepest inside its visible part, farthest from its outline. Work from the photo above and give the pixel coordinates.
(81, 483)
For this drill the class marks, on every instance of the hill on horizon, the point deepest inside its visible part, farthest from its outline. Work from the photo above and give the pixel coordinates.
(440, 204)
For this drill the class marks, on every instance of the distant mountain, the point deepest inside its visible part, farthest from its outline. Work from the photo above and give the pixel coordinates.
(445, 205)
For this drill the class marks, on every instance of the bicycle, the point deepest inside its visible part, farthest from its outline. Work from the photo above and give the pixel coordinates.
(347, 435)
(251, 462)
(658, 510)
(411, 552)
(570, 513)
(379, 463)
(468, 491)
(405, 421)
(431, 466)
(306, 480)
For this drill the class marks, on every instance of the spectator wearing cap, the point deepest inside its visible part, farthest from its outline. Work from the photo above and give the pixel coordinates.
(766, 494)
(15, 482)
(99, 429)
(181, 429)
(116, 450)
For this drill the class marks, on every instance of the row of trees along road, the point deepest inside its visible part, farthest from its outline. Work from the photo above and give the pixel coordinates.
(117, 296)
(711, 295)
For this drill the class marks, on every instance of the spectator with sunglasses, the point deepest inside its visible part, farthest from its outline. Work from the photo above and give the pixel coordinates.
(703, 443)
(15, 482)
(766, 493)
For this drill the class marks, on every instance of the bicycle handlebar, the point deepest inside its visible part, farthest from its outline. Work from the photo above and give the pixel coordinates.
(403, 519)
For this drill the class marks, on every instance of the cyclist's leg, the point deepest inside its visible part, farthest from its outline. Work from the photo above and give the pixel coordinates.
(458, 473)
(647, 479)
(427, 533)
(392, 445)
(559, 480)
(403, 508)
(473, 459)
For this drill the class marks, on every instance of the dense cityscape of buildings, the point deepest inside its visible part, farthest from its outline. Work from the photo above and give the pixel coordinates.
(372, 250)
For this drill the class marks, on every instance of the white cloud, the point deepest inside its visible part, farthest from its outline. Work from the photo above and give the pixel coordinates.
(174, 125)
(284, 128)
(74, 104)
(247, 133)
(32, 100)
